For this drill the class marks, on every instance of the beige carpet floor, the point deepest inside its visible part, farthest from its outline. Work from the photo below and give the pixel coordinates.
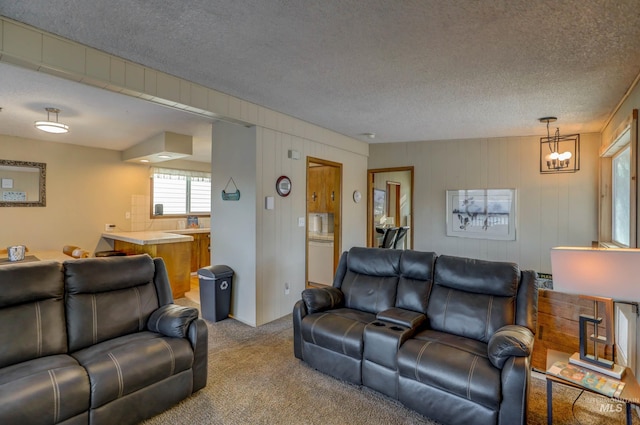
(255, 379)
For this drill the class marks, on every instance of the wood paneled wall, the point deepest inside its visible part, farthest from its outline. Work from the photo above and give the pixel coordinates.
(551, 209)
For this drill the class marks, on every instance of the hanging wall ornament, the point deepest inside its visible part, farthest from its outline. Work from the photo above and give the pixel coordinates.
(231, 196)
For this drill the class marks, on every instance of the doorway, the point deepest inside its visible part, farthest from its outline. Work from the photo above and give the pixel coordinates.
(390, 204)
(324, 218)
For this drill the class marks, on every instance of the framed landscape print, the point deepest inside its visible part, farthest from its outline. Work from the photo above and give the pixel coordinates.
(482, 214)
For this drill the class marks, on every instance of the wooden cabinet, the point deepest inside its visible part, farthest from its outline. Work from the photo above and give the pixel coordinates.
(200, 251)
(176, 256)
(323, 189)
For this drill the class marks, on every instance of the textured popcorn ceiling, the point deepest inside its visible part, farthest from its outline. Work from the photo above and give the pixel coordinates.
(406, 70)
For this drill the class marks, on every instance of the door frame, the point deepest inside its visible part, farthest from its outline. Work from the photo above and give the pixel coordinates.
(337, 216)
(370, 179)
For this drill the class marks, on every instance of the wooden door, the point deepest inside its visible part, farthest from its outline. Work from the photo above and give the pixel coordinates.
(324, 180)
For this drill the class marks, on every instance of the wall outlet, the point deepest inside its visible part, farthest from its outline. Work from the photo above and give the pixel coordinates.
(286, 288)
(109, 227)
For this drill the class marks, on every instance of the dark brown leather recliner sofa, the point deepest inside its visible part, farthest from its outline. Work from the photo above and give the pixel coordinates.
(449, 337)
(95, 341)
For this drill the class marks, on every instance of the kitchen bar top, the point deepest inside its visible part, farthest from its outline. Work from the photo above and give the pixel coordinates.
(148, 237)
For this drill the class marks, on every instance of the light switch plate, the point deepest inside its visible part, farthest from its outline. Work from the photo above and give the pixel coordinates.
(269, 203)
(300, 221)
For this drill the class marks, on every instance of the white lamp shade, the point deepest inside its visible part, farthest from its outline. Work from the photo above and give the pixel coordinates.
(604, 272)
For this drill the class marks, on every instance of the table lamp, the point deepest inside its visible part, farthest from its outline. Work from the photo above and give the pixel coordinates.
(603, 275)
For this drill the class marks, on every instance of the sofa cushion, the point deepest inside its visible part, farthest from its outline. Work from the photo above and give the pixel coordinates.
(108, 297)
(472, 298)
(453, 364)
(371, 279)
(416, 277)
(478, 276)
(374, 261)
(32, 306)
(121, 366)
(94, 275)
(337, 330)
(45, 390)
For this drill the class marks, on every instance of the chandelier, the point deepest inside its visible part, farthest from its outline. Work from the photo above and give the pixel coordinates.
(559, 154)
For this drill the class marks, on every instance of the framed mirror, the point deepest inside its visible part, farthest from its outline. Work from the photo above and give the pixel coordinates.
(22, 183)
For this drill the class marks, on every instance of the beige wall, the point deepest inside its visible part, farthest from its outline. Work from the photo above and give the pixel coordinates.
(86, 188)
(552, 210)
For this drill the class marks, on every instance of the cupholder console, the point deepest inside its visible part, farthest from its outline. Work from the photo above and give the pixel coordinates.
(382, 340)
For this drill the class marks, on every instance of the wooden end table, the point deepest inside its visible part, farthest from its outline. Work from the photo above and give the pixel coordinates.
(630, 394)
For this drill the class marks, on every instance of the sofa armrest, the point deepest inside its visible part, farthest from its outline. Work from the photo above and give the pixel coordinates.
(198, 335)
(402, 317)
(299, 313)
(509, 341)
(172, 320)
(320, 299)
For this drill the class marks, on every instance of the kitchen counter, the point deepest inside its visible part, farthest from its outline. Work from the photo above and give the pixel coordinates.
(149, 237)
(190, 231)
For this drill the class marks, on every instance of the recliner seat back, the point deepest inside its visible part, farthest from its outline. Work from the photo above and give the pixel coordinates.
(108, 297)
(32, 302)
(473, 298)
(370, 279)
(416, 278)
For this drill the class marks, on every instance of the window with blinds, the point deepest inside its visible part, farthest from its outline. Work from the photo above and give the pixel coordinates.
(180, 192)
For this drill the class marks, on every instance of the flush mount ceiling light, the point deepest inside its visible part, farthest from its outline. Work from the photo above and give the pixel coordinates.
(52, 126)
(559, 154)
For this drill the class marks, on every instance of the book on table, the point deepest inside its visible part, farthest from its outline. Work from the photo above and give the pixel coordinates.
(586, 378)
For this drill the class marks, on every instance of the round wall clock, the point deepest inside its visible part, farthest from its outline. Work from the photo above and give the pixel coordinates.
(283, 186)
(357, 196)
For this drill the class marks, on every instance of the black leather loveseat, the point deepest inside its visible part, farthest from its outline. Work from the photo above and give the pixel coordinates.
(95, 341)
(449, 337)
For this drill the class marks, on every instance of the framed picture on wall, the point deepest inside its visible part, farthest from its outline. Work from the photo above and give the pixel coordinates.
(482, 214)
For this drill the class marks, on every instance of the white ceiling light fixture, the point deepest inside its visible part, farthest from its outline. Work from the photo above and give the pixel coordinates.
(52, 126)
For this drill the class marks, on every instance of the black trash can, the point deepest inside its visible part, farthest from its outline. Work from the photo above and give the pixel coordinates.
(215, 292)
